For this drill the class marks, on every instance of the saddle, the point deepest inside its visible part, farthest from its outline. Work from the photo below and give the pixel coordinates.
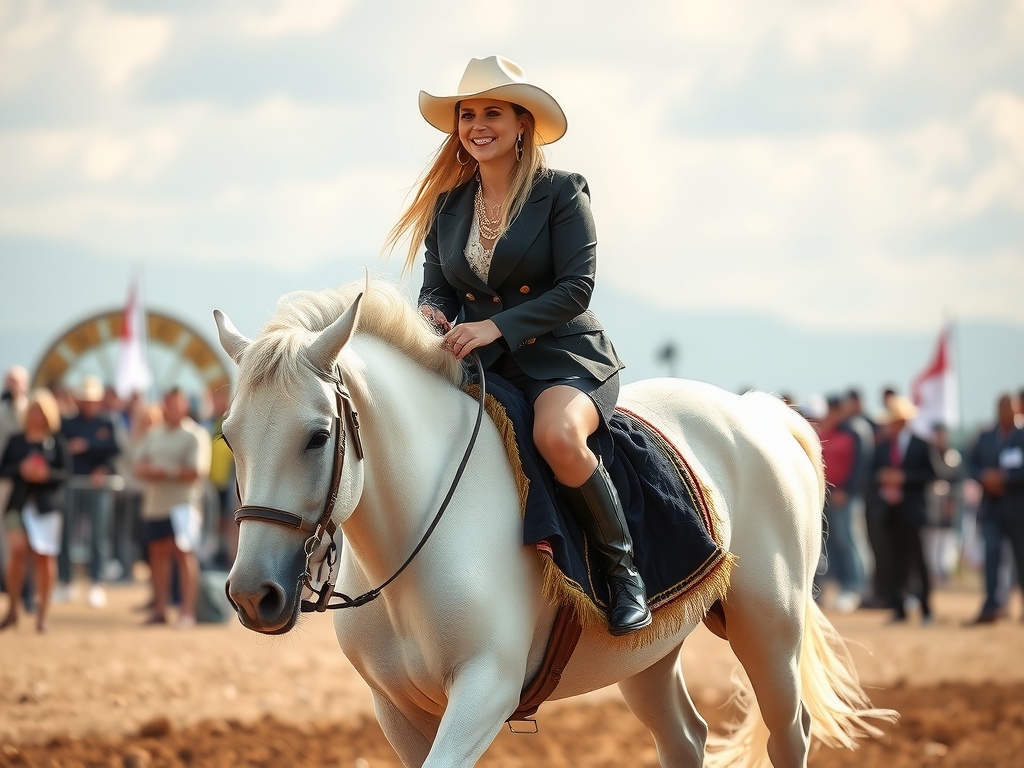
(675, 530)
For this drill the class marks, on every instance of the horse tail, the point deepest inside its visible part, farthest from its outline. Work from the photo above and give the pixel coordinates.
(839, 710)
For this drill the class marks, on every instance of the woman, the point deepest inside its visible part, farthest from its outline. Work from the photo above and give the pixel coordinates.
(38, 462)
(511, 249)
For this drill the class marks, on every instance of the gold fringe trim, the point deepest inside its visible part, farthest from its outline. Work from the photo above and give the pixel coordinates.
(507, 431)
(686, 603)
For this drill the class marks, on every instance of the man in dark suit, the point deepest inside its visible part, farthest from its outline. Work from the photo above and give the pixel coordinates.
(997, 463)
(984, 468)
(901, 470)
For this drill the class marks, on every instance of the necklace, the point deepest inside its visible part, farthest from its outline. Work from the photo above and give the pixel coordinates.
(489, 228)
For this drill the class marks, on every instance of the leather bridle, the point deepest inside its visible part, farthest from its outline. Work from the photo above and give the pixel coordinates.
(325, 525)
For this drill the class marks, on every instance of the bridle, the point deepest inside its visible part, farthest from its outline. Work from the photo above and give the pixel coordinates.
(325, 525)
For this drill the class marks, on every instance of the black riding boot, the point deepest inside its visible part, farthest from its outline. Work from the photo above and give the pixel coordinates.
(596, 507)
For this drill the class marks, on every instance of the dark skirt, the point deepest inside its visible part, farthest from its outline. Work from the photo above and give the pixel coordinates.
(604, 394)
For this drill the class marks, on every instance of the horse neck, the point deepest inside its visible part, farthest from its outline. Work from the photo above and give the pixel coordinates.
(414, 426)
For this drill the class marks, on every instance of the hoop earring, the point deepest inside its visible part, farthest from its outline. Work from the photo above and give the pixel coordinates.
(519, 147)
(458, 157)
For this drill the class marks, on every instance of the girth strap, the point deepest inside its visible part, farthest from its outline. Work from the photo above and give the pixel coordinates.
(565, 634)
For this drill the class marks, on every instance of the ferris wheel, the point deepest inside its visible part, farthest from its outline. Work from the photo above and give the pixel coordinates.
(178, 355)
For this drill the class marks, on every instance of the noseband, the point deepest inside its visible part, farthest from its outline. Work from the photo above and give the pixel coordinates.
(325, 525)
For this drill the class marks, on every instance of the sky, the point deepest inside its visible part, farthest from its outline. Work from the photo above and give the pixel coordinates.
(848, 170)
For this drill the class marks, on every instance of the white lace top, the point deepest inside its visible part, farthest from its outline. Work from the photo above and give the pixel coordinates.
(479, 258)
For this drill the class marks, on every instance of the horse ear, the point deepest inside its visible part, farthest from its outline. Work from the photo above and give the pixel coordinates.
(233, 342)
(323, 352)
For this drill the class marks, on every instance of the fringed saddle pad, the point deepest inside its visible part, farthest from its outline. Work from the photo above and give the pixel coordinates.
(673, 523)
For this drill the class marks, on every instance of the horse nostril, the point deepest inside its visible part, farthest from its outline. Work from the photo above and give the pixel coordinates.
(272, 602)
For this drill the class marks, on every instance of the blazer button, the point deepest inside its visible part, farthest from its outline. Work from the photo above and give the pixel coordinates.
(496, 299)
(531, 341)
(524, 290)
(470, 297)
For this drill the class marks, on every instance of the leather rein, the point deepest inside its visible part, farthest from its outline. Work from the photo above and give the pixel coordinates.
(325, 525)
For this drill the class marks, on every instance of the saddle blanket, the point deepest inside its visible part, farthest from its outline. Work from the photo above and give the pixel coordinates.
(669, 513)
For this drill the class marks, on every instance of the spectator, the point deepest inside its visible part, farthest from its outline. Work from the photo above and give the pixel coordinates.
(38, 463)
(843, 467)
(173, 461)
(222, 477)
(13, 402)
(95, 439)
(863, 431)
(991, 460)
(945, 501)
(902, 468)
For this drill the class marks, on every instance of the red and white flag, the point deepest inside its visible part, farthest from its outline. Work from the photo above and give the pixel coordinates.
(133, 374)
(935, 392)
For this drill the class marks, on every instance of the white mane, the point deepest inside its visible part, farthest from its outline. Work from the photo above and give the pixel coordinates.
(276, 355)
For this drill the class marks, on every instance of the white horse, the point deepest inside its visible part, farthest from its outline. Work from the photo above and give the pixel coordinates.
(447, 646)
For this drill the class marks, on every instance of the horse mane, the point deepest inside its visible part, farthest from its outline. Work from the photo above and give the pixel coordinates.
(276, 355)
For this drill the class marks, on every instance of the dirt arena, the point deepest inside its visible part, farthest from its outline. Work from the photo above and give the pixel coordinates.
(99, 690)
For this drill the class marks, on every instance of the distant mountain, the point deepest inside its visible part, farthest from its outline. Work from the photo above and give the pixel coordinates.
(59, 286)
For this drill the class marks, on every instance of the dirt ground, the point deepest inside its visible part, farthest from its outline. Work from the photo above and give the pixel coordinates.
(100, 690)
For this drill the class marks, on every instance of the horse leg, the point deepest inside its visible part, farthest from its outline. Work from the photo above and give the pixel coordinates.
(659, 699)
(481, 696)
(767, 638)
(410, 742)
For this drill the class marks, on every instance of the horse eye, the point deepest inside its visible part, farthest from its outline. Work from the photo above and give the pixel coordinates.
(319, 439)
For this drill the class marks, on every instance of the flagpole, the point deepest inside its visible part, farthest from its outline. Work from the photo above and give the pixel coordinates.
(954, 332)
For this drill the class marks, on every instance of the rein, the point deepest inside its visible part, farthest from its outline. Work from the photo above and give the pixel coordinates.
(325, 525)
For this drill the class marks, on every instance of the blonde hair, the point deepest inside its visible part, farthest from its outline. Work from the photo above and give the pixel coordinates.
(47, 403)
(444, 173)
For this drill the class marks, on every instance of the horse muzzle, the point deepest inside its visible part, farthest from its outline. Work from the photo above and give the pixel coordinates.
(264, 605)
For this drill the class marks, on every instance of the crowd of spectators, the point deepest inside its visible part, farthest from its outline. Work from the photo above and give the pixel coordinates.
(906, 509)
(92, 488)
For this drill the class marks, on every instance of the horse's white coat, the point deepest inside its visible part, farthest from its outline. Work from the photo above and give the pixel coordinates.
(448, 646)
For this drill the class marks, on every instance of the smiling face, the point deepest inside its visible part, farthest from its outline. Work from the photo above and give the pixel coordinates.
(488, 130)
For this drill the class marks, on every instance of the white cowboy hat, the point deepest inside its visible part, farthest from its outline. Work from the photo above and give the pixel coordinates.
(503, 79)
(90, 390)
(900, 408)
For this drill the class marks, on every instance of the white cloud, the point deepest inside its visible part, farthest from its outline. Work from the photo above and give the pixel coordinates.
(24, 27)
(117, 45)
(295, 17)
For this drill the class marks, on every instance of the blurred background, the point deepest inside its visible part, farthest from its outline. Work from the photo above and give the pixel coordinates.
(793, 196)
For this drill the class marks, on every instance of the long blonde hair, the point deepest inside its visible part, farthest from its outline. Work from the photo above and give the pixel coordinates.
(445, 173)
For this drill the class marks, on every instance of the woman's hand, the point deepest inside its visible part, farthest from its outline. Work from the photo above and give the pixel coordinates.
(34, 469)
(465, 337)
(436, 318)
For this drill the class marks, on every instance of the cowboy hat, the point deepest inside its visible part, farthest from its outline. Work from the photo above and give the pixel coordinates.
(505, 80)
(90, 390)
(899, 408)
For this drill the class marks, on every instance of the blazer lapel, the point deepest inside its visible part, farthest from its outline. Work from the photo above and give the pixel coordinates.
(453, 223)
(511, 249)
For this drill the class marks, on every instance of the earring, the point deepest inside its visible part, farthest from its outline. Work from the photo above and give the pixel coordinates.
(458, 157)
(519, 147)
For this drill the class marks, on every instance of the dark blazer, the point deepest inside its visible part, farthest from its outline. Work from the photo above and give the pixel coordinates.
(918, 470)
(540, 281)
(48, 496)
(988, 453)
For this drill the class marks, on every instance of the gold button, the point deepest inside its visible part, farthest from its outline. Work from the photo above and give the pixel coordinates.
(470, 297)
(530, 341)
(525, 289)
(495, 299)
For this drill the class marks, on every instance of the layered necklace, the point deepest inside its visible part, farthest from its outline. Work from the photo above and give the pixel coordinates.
(489, 228)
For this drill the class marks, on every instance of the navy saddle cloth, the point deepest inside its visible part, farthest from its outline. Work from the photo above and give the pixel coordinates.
(668, 516)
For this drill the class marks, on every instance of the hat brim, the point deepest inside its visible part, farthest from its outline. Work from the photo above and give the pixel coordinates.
(439, 111)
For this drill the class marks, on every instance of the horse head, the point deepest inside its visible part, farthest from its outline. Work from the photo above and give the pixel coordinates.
(294, 457)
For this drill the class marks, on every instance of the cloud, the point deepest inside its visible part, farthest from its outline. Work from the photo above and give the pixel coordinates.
(294, 17)
(117, 45)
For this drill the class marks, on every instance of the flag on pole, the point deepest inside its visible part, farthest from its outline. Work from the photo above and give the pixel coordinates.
(934, 391)
(133, 374)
